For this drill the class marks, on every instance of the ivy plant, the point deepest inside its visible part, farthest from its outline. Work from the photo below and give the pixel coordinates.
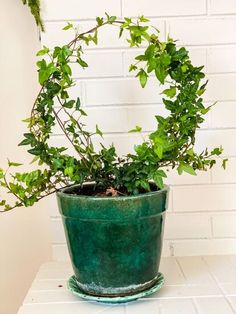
(34, 6)
(170, 145)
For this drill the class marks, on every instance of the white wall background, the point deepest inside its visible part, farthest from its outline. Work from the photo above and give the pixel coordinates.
(24, 235)
(202, 211)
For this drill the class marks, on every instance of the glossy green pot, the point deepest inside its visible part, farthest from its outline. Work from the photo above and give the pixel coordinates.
(114, 242)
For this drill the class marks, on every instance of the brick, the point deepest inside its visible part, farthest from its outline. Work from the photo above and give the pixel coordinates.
(55, 36)
(78, 9)
(163, 8)
(222, 7)
(57, 231)
(173, 178)
(115, 92)
(124, 143)
(198, 226)
(144, 116)
(226, 176)
(204, 247)
(119, 119)
(203, 31)
(108, 36)
(216, 138)
(100, 64)
(223, 115)
(198, 56)
(204, 198)
(224, 225)
(108, 119)
(221, 59)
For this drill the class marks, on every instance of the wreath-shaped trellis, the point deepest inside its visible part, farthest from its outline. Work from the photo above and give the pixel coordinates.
(170, 145)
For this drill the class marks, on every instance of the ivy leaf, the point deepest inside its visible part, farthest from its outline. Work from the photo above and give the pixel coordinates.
(83, 113)
(224, 163)
(98, 131)
(69, 104)
(143, 19)
(190, 152)
(14, 164)
(77, 105)
(161, 74)
(170, 92)
(1, 173)
(186, 168)
(132, 67)
(136, 129)
(217, 151)
(82, 63)
(35, 151)
(158, 178)
(159, 151)
(99, 21)
(68, 26)
(142, 77)
(43, 51)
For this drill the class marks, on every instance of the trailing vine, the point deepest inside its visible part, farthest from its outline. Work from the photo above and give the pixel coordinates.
(34, 6)
(171, 145)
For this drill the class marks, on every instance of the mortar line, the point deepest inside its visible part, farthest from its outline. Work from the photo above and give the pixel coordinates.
(226, 297)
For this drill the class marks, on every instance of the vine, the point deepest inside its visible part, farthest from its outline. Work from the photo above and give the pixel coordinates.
(34, 6)
(171, 145)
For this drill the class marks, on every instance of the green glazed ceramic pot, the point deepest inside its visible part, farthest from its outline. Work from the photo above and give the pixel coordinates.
(114, 242)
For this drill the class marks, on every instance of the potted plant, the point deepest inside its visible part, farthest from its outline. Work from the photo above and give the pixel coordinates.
(112, 207)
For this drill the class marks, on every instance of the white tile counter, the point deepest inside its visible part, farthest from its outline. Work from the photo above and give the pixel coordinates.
(193, 285)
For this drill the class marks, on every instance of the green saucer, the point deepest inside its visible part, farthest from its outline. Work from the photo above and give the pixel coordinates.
(73, 287)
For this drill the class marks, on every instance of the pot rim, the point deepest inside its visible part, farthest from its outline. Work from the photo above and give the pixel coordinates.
(61, 193)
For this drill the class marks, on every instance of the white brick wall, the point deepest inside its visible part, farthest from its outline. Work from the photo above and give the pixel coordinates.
(201, 218)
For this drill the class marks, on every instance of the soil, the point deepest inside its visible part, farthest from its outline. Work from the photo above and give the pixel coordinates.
(92, 190)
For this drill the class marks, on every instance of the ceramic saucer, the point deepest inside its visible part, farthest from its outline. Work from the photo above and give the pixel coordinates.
(73, 287)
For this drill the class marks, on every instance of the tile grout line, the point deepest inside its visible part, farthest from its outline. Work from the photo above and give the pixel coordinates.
(195, 305)
(181, 269)
(226, 297)
(203, 16)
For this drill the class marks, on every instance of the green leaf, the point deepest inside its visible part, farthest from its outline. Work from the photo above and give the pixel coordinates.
(99, 21)
(1, 173)
(14, 164)
(158, 178)
(160, 119)
(132, 67)
(217, 151)
(143, 19)
(190, 152)
(170, 92)
(64, 94)
(186, 168)
(224, 163)
(77, 105)
(24, 142)
(98, 131)
(69, 104)
(43, 51)
(68, 26)
(66, 69)
(142, 77)
(35, 151)
(83, 113)
(137, 129)
(159, 151)
(161, 74)
(82, 63)
(111, 19)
